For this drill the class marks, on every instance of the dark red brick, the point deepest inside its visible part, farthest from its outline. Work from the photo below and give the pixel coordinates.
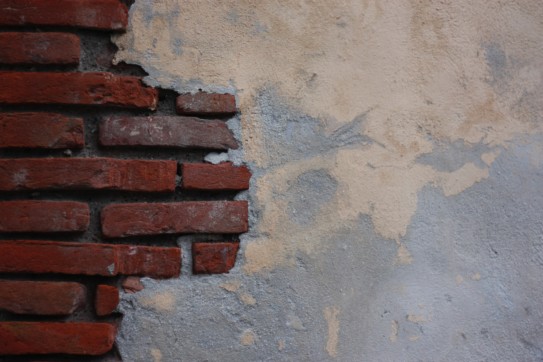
(20, 338)
(73, 88)
(224, 217)
(87, 174)
(107, 299)
(43, 216)
(163, 131)
(206, 104)
(39, 257)
(92, 14)
(41, 298)
(214, 258)
(39, 48)
(40, 130)
(225, 176)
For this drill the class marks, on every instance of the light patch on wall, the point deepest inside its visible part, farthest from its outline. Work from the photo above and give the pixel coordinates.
(161, 302)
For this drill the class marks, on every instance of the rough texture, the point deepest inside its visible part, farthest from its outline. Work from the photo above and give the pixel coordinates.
(396, 198)
(92, 14)
(49, 338)
(39, 257)
(225, 176)
(107, 299)
(43, 216)
(224, 217)
(40, 130)
(163, 131)
(214, 258)
(87, 174)
(206, 104)
(41, 298)
(39, 48)
(75, 89)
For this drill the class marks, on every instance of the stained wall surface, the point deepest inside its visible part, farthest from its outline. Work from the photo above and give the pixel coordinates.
(397, 191)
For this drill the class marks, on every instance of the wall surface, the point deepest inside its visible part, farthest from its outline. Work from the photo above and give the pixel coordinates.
(397, 191)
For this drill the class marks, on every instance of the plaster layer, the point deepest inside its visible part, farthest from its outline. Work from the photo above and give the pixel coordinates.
(363, 121)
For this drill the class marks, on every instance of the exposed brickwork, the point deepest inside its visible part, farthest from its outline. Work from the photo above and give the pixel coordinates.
(40, 130)
(64, 188)
(43, 216)
(107, 299)
(39, 48)
(41, 298)
(176, 132)
(75, 89)
(206, 104)
(225, 176)
(93, 14)
(38, 257)
(223, 217)
(18, 338)
(214, 258)
(87, 174)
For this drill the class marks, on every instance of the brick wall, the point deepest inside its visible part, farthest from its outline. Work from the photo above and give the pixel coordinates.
(99, 174)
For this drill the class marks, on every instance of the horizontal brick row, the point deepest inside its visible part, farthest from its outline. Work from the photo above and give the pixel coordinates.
(225, 176)
(40, 130)
(74, 88)
(92, 14)
(39, 48)
(206, 104)
(19, 338)
(107, 299)
(214, 258)
(224, 217)
(164, 131)
(39, 257)
(43, 216)
(87, 174)
(41, 298)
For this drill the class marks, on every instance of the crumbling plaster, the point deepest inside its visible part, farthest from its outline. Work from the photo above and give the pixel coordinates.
(396, 201)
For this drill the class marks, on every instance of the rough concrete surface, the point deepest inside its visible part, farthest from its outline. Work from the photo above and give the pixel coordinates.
(397, 191)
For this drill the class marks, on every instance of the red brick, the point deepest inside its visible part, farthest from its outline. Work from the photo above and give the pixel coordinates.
(163, 131)
(74, 88)
(40, 130)
(107, 299)
(39, 257)
(39, 48)
(43, 216)
(206, 104)
(41, 298)
(92, 14)
(214, 258)
(87, 174)
(132, 284)
(19, 338)
(224, 217)
(225, 176)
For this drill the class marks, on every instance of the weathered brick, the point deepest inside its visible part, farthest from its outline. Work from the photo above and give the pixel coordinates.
(206, 104)
(39, 48)
(38, 257)
(92, 14)
(225, 176)
(41, 298)
(132, 284)
(164, 131)
(43, 216)
(87, 173)
(74, 88)
(225, 217)
(20, 338)
(214, 258)
(107, 299)
(40, 130)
